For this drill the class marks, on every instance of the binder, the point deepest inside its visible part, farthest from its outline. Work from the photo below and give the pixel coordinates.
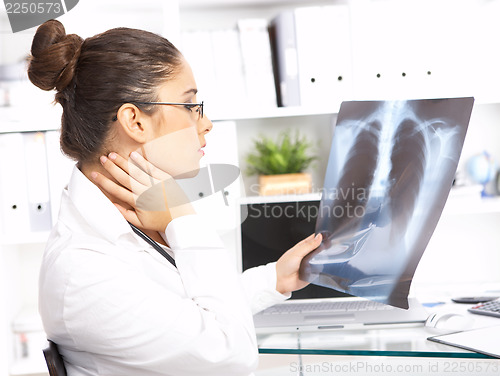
(285, 60)
(257, 63)
(312, 56)
(35, 158)
(197, 49)
(324, 54)
(230, 88)
(14, 217)
(60, 168)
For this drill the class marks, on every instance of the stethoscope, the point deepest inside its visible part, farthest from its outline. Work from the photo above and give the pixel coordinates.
(153, 244)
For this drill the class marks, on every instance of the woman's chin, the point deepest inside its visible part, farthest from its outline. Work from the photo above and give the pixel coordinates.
(188, 175)
(188, 172)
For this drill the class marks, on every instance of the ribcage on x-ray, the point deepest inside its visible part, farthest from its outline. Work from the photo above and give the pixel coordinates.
(383, 169)
(356, 178)
(408, 161)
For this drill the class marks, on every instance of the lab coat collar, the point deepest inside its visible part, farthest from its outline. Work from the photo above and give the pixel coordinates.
(97, 210)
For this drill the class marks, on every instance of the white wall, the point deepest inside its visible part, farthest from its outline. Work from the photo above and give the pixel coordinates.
(483, 133)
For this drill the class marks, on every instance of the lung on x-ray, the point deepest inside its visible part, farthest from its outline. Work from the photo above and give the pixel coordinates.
(390, 170)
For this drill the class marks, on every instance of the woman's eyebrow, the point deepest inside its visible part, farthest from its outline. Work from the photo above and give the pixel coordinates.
(191, 91)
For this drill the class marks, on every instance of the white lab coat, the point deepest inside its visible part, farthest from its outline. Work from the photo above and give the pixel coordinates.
(115, 306)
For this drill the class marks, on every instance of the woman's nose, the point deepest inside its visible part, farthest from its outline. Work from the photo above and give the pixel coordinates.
(205, 125)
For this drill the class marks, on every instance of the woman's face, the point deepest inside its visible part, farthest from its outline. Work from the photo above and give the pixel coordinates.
(178, 133)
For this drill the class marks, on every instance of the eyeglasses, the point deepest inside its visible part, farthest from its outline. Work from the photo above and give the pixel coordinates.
(189, 106)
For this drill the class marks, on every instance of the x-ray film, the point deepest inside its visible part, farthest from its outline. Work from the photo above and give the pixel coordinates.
(389, 173)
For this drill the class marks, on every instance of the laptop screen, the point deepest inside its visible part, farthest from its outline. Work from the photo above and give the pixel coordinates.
(273, 226)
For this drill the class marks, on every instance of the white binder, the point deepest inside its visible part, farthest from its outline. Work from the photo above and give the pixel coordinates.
(13, 185)
(282, 30)
(230, 88)
(35, 158)
(257, 62)
(60, 168)
(197, 49)
(324, 55)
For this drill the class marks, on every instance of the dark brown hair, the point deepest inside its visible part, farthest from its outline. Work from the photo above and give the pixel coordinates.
(95, 76)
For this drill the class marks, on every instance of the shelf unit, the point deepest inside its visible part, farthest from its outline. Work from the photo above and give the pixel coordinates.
(456, 205)
(35, 238)
(271, 113)
(220, 14)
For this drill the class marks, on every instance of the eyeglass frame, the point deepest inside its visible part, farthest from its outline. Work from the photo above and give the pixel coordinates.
(190, 105)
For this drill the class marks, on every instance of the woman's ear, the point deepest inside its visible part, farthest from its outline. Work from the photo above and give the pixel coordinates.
(132, 121)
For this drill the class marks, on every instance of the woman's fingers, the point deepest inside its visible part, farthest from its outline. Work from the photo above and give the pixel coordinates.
(137, 174)
(126, 173)
(309, 244)
(149, 193)
(140, 176)
(118, 172)
(129, 215)
(288, 265)
(114, 190)
(118, 160)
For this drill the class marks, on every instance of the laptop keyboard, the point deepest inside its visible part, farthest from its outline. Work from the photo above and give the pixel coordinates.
(326, 306)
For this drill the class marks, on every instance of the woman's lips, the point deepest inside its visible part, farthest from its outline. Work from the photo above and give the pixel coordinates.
(201, 150)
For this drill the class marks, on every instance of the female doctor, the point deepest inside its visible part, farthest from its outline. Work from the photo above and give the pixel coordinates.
(129, 289)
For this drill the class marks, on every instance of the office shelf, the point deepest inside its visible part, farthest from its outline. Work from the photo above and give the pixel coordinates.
(203, 4)
(457, 203)
(26, 238)
(17, 119)
(269, 113)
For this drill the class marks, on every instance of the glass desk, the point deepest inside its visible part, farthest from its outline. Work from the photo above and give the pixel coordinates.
(389, 341)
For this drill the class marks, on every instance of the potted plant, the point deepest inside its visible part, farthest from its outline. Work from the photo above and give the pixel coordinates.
(281, 164)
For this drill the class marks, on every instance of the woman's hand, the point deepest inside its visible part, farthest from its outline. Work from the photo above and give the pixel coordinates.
(153, 196)
(287, 267)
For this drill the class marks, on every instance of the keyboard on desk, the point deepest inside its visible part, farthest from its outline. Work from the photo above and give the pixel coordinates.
(491, 308)
(334, 314)
(352, 306)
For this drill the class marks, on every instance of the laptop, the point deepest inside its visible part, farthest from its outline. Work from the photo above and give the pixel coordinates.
(273, 225)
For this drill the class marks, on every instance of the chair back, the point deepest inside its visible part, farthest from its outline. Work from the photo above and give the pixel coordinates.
(54, 360)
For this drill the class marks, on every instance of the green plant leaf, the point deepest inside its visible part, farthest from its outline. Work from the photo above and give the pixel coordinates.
(283, 156)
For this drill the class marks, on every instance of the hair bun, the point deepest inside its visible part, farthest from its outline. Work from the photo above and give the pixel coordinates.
(54, 56)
